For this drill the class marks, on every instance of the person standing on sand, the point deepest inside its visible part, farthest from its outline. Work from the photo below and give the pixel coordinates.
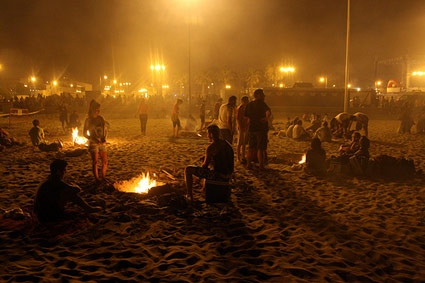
(54, 194)
(95, 131)
(258, 113)
(217, 108)
(202, 115)
(218, 162)
(345, 120)
(142, 112)
(225, 119)
(242, 123)
(362, 122)
(175, 118)
(63, 116)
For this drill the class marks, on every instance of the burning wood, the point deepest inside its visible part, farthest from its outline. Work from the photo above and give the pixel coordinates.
(302, 159)
(76, 138)
(141, 184)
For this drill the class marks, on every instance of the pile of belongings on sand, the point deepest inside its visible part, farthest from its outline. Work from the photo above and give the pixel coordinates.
(383, 166)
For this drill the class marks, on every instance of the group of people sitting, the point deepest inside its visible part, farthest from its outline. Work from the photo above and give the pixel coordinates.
(339, 127)
(354, 155)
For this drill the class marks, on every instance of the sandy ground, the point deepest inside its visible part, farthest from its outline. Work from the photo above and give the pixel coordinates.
(284, 226)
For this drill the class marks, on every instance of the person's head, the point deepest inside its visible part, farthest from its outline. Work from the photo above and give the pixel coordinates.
(244, 99)
(325, 124)
(36, 123)
(355, 136)
(213, 132)
(232, 100)
(179, 101)
(316, 143)
(94, 109)
(364, 142)
(259, 94)
(58, 168)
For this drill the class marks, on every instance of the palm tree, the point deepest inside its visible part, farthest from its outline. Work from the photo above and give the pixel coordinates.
(252, 78)
(271, 74)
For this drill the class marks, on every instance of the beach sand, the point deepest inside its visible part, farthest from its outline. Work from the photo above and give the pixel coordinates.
(284, 226)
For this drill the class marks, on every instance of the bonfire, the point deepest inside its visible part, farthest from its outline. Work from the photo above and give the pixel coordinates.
(76, 138)
(141, 184)
(302, 159)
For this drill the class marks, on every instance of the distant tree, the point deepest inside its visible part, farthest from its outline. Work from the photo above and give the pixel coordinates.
(271, 74)
(203, 79)
(251, 79)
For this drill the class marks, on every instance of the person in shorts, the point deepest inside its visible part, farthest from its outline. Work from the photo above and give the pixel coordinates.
(258, 114)
(218, 162)
(95, 131)
(242, 123)
(175, 117)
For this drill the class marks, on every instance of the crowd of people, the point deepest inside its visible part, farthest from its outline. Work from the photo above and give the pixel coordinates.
(250, 120)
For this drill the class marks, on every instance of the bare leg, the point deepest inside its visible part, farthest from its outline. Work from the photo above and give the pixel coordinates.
(177, 132)
(251, 155)
(104, 157)
(95, 162)
(260, 155)
(188, 172)
(239, 152)
(243, 151)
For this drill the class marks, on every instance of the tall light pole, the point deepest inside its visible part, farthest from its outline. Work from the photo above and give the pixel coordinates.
(346, 58)
(324, 80)
(190, 76)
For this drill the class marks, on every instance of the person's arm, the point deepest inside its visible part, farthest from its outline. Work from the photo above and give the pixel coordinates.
(86, 128)
(208, 158)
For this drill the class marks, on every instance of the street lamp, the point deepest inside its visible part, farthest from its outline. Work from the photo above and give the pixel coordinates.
(55, 83)
(33, 79)
(324, 80)
(346, 58)
(105, 77)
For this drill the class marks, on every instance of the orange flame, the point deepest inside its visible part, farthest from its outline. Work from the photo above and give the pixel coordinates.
(76, 138)
(302, 159)
(141, 184)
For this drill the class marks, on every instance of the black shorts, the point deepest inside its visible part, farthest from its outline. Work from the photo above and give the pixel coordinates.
(176, 123)
(257, 140)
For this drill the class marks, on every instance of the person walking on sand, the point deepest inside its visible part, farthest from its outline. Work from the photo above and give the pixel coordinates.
(63, 116)
(225, 119)
(242, 123)
(95, 131)
(218, 162)
(53, 195)
(175, 118)
(258, 113)
(142, 112)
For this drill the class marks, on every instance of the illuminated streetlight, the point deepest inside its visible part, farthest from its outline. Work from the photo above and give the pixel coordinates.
(71, 85)
(418, 73)
(228, 86)
(287, 69)
(358, 89)
(115, 81)
(378, 83)
(105, 77)
(349, 86)
(152, 67)
(280, 85)
(324, 80)
(33, 79)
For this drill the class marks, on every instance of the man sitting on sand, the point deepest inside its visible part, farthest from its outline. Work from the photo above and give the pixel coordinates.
(324, 133)
(299, 133)
(218, 162)
(316, 158)
(54, 194)
(37, 138)
(353, 147)
(6, 140)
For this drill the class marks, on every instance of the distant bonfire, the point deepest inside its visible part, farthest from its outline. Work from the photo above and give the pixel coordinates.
(78, 139)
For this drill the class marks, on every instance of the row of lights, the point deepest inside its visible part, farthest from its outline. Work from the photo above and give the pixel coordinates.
(157, 67)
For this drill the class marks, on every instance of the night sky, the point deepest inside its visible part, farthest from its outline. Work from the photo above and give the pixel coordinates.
(89, 38)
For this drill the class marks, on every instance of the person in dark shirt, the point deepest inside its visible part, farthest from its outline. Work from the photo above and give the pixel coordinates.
(316, 158)
(95, 132)
(218, 162)
(74, 120)
(53, 195)
(258, 114)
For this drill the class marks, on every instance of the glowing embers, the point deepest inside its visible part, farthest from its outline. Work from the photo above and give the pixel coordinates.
(141, 184)
(76, 138)
(303, 158)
